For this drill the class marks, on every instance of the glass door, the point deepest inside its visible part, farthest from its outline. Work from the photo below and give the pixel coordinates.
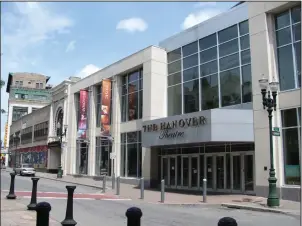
(220, 172)
(194, 172)
(172, 171)
(165, 170)
(236, 173)
(185, 171)
(248, 172)
(201, 170)
(209, 171)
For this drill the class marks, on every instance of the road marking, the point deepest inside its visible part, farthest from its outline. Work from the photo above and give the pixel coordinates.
(28, 197)
(116, 199)
(52, 192)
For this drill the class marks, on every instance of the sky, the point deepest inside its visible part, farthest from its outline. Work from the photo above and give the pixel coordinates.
(63, 39)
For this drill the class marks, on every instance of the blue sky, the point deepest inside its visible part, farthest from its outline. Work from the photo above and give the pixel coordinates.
(63, 39)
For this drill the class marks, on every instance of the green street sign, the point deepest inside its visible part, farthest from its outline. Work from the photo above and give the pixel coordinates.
(276, 133)
(276, 129)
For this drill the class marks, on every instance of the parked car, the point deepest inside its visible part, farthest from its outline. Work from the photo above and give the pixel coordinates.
(25, 169)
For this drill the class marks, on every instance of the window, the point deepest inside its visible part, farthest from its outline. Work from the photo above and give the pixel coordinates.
(40, 131)
(102, 158)
(18, 112)
(132, 96)
(221, 57)
(26, 135)
(99, 105)
(131, 154)
(21, 83)
(288, 39)
(291, 133)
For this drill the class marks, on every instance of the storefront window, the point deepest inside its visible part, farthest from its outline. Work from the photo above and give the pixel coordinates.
(102, 156)
(132, 96)
(288, 38)
(291, 129)
(131, 150)
(223, 57)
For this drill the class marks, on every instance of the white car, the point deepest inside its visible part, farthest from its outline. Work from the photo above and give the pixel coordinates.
(25, 169)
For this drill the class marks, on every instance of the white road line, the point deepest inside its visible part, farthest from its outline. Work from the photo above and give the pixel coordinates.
(51, 192)
(28, 197)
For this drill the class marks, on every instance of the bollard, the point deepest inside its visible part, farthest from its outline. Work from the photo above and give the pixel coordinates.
(113, 180)
(104, 184)
(162, 193)
(11, 194)
(227, 221)
(33, 201)
(134, 215)
(142, 187)
(118, 181)
(204, 190)
(69, 221)
(43, 209)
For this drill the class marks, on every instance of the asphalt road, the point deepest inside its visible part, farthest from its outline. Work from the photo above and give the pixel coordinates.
(112, 213)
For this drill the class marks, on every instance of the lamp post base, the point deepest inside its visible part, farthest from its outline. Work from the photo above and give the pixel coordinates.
(273, 199)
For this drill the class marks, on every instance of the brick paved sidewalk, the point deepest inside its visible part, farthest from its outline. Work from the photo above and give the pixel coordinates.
(14, 213)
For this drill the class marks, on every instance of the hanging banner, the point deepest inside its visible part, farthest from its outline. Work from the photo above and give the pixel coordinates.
(131, 102)
(106, 108)
(82, 124)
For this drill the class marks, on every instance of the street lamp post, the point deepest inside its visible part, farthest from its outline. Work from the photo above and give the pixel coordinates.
(269, 103)
(61, 134)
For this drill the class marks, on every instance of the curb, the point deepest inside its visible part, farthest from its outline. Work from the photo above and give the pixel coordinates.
(186, 204)
(259, 209)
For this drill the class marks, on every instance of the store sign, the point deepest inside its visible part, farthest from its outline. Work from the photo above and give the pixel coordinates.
(174, 129)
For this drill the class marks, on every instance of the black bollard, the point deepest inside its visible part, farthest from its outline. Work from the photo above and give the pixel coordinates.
(33, 201)
(69, 209)
(43, 209)
(227, 221)
(134, 215)
(11, 194)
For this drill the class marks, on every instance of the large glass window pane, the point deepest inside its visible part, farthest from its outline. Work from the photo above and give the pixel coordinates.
(190, 61)
(207, 42)
(283, 36)
(299, 115)
(228, 34)
(297, 32)
(245, 57)
(174, 100)
(245, 42)
(296, 14)
(133, 76)
(286, 68)
(209, 92)
(230, 87)
(174, 55)
(124, 89)
(132, 160)
(246, 84)
(291, 156)
(174, 79)
(208, 68)
(297, 47)
(190, 74)
(132, 137)
(208, 55)
(132, 106)
(140, 104)
(191, 96)
(124, 108)
(133, 86)
(229, 62)
(282, 20)
(289, 117)
(228, 48)
(190, 49)
(174, 67)
(244, 27)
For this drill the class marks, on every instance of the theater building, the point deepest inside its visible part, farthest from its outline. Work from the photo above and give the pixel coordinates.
(191, 109)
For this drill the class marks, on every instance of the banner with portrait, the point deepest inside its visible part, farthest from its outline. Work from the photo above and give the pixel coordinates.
(105, 108)
(83, 106)
(132, 96)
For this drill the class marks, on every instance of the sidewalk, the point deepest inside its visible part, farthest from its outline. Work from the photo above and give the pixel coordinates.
(14, 213)
(151, 196)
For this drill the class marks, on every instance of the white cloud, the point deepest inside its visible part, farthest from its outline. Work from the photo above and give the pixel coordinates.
(132, 25)
(71, 46)
(87, 70)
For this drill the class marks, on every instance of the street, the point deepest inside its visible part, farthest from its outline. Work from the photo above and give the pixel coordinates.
(110, 211)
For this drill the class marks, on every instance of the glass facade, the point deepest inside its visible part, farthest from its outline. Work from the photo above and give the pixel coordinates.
(132, 96)
(288, 39)
(131, 154)
(102, 158)
(82, 157)
(291, 134)
(212, 72)
(18, 112)
(99, 105)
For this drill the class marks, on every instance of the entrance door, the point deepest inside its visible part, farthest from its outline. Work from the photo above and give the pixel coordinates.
(194, 171)
(209, 171)
(172, 171)
(248, 172)
(236, 172)
(185, 171)
(165, 170)
(220, 172)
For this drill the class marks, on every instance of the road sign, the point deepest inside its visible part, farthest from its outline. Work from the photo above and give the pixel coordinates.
(276, 129)
(276, 133)
(112, 155)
